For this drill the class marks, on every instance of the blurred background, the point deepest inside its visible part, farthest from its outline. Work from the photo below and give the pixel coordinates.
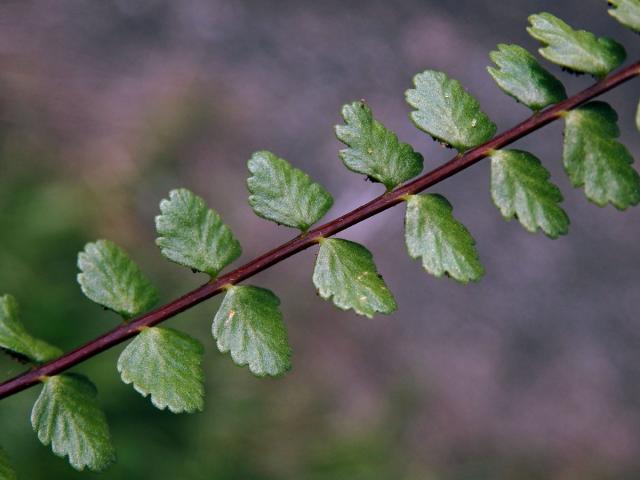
(533, 373)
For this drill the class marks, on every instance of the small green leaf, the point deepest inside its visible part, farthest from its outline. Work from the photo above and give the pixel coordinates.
(627, 12)
(520, 188)
(445, 245)
(111, 279)
(6, 470)
(346, 273)
(284, 194)
(447, 112)
(594, 158)
(193, 235)
(374, 150)
(67, 416)
(249, 325)
(576, 50)
(15, 339)
(521, 76)
(167, 365)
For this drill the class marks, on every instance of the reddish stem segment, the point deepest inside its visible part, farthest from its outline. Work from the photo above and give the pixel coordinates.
(286, 250)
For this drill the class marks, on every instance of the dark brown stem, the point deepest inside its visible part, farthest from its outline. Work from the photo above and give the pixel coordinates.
(286, 250)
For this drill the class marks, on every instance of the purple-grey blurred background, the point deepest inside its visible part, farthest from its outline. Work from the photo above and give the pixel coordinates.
(531, 373)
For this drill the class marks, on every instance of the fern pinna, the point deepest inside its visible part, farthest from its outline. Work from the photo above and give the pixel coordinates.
(167, 365)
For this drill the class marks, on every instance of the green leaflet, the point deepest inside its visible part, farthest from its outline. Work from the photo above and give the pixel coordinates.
(576, 50)
(445, 245)
(249, 326)
(284, 194)
(111, 279)
(67, 416)
(627, 12)
(193, 235)
(447, 112)
(6, 470)
(520, 188)
(167, 365)
(15, 339)
(521, 76)
(594, 158)
(374, 150)
(345, 272)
